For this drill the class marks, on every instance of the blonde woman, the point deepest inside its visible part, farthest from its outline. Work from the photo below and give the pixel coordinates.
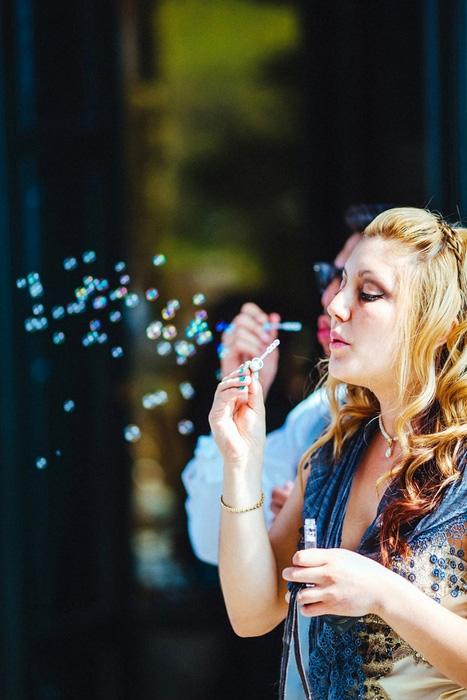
(386, 482)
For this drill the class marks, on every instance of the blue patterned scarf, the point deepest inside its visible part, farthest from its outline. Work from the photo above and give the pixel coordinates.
(337, 664)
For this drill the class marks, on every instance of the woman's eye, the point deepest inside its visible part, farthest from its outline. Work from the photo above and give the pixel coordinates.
(370, 297)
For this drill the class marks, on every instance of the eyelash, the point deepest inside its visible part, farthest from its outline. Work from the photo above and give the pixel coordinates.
(371, 297)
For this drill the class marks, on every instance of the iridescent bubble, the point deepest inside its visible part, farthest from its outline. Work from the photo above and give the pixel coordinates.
(164, 348)
(124, 279)
(181, 360)
(102, 338)
(41, 462)
(173, 304)
(58, 453)
(82, 293)
(35, 323)
(168, 313)
(99, 302)
(89, 256)
(58, 312)
(132, 433)
(204, 338)
(118, 293)
(33, 277)
(90, 338)
(158, 260)
(184, 349)
(185, 427)
(58, 338)
(148, 402)
(101, 285)
(120, 266)
(115, 316)
(186, 390)
(36, 290)
(69, 406)
(77, 307)
(117, 351)
(154, 330)
(21, 282)
(131, 300)
(152, 294)
(70, 263)
(95, 324)
(88, 281)
(169, 332)
(157, 398)
(201, 315)
(199, 299)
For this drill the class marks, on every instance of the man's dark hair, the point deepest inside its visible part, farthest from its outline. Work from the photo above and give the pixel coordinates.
(358, 216)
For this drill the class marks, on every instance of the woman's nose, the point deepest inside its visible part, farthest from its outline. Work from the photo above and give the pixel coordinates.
(337, 307)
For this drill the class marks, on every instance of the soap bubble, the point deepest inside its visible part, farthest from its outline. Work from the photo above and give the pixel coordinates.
(154, 330)
(152, 294)
(157, 398)
(99, 302)
(132, 433)
(131, 300)
(125, 279)
(201, 315)
(168, 313)
(70, 263)
(69, 406)
(158, 260)
(164, 348)
(41, 462)
(21, 282)
(185, 427)
(120, 266)
(169, 332)
(58, 338)
(58, 312)
(115, 316)
(89, 256)
(198, 299)
(95, 324)
(117, 351)
(186, 390)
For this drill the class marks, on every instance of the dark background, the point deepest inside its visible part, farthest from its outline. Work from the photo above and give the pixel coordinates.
(383, 119)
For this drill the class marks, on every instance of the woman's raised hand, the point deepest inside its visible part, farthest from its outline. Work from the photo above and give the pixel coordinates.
(237, 416)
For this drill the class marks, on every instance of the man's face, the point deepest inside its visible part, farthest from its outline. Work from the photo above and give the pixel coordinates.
(324, 321)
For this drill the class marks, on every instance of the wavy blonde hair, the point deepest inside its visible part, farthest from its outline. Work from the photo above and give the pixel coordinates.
(431, 368)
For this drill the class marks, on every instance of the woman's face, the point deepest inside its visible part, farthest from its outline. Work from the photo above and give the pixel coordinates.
(364, 317)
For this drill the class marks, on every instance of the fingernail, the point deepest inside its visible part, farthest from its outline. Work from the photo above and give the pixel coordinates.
(241, 387)
(242, 379)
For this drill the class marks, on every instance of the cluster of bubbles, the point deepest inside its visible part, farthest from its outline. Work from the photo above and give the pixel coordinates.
(105, 302)
(167, 335)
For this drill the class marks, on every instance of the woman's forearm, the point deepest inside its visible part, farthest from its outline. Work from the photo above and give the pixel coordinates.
(247, 566)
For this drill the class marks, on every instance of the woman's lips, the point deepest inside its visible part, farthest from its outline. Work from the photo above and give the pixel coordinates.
(336, 340)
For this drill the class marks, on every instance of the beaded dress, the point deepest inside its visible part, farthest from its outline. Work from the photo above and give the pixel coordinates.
(370, 660)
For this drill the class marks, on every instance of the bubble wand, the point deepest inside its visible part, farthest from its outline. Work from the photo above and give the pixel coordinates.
(257, 362)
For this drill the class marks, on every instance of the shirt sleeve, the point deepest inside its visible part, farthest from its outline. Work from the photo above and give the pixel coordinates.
(203, 475)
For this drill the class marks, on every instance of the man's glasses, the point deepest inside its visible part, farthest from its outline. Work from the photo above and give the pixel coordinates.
(325, 273)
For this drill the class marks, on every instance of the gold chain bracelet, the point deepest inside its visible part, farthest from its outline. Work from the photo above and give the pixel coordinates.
(243, 510)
